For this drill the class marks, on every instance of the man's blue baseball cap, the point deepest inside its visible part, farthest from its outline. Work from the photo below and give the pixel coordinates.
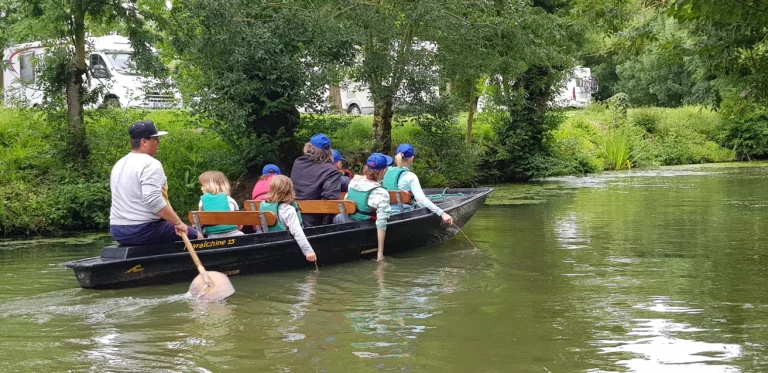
(144, 129)
(407, 150)
(321, 141)
(270, 168)
(337, 156)
(378, 161)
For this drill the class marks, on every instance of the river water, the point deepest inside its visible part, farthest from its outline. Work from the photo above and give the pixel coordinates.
(643, 271)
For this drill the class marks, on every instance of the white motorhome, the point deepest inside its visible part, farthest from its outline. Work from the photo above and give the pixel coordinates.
(355, 99)
(109, 61)
(578, 90)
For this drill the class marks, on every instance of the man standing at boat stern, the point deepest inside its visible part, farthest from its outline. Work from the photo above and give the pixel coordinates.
(141, 213)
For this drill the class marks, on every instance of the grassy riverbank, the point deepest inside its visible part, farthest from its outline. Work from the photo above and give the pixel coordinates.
(43, 193)
(597, 139)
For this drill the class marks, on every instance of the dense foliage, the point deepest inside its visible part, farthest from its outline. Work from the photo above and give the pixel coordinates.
(245, 69)
(248, 68)
(43, 193)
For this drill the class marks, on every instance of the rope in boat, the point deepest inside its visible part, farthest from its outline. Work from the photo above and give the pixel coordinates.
(443, 194)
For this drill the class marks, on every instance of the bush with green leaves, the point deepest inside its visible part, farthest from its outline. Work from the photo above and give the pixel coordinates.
(646, 118)
(446, 160)
(747, 136)
(43, 192)
(572, 143)
(744, 127)
(680, 136)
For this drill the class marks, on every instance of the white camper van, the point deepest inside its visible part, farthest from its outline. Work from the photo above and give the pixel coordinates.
(578, 90)
(109, 61)
(355, 98)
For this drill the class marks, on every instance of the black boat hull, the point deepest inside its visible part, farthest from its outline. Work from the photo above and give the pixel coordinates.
(121, 267)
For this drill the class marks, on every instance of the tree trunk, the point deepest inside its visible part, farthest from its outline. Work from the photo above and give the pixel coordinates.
(472, 108)
(336, 105)
(382, 125)
(76, 91)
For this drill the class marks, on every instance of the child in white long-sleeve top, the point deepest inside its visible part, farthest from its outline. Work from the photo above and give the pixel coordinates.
(371, 198)
(281, 201)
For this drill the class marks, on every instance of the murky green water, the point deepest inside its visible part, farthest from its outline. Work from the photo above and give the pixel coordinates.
(661, 271)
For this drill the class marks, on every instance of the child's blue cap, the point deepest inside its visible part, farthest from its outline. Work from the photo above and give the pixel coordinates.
(337, 156)
(378, 161)
(321, 141)
(407, 150)
(270, 169)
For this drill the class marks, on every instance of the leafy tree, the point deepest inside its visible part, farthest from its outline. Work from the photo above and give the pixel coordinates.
(663, 73)
(64, 25)
(396, 41)
(249, 66)
(490, 40)
(733, 40)
(524, 133)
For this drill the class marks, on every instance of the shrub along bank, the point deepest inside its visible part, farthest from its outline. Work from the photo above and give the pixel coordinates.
(599, 138)
(43, 193)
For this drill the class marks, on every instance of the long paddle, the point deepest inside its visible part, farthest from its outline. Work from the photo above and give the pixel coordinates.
(465, 235)
(208, 286)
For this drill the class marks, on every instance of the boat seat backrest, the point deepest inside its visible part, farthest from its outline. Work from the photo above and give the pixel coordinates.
(206, 218)
(313, 206)
(405, 197)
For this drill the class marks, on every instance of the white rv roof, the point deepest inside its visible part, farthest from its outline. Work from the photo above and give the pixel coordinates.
(110, 43)
(582, 72)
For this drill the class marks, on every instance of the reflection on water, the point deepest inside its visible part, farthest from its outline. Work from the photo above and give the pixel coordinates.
(664, 345)
(658, 349)
(297, 310)
(568, 234)
(653, 271)
(397, 314)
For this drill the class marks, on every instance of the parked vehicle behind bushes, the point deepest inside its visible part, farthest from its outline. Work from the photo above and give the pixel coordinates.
(111, 74)
(576, 91)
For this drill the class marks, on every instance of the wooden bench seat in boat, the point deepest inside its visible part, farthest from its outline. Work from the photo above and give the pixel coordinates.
(204, 218)
(325, 207)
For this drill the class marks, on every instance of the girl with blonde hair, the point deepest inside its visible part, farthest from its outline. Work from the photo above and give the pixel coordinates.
(281, 201)
(402, 178)
(216, 190)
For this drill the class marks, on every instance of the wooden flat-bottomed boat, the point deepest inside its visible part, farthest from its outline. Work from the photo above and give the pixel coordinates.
(131, 266)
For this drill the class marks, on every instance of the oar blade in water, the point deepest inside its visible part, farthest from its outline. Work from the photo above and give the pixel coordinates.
(220, 289)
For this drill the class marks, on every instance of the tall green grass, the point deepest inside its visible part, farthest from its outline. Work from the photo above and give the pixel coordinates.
(649, 137)
(618, 148)
(42, 192)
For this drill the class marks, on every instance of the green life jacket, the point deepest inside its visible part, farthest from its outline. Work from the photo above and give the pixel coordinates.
(216, 202)
(272, 207)
(392, 177)
(364, 212)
